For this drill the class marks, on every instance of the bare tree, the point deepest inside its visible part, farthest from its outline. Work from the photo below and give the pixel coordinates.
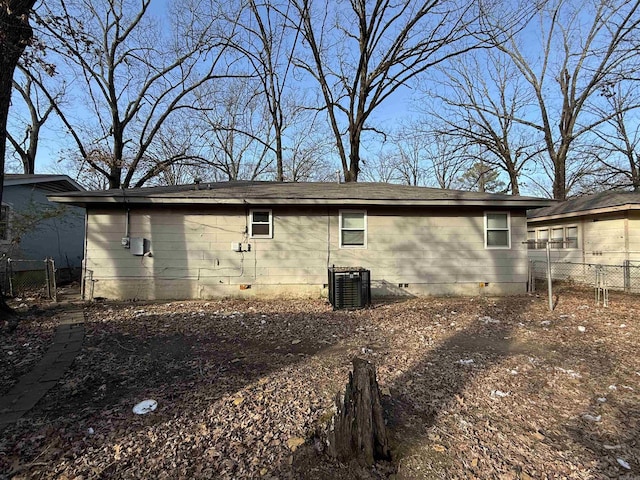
(445, 160)
(135, 74)
(381, 167)
(268, 48)
(307, 153)
(15, 35)
(484, 94)
(426, 156)
(618, 153)
(237, 130)
(582, 46)
(24, 136)
(412, 146)
(368, 50)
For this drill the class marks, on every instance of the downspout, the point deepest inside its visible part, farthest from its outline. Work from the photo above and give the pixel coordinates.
(84, 259)
(125, 239)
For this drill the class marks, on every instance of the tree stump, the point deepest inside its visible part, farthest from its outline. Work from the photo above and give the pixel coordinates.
(359, 431)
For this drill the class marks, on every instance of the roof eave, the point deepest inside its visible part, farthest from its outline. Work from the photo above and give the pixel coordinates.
(109, 200)
(9, 182)
(586, 213)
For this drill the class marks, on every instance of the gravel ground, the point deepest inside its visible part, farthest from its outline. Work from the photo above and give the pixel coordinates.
(473, 388)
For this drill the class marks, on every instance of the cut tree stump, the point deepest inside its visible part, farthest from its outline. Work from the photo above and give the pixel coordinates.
(359, 431)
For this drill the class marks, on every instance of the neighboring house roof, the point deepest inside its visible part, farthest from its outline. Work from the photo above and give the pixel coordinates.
(49, 182)
(312, 193)
(604, 202)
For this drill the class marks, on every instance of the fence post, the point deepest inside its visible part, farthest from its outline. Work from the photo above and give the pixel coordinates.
(549, 286)
(46, 277)
(602, 289)
(626, 269)
(10, 275)
(51, 279)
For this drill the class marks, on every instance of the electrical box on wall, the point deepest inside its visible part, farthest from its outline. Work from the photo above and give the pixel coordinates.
(236, 247)
(139, 246)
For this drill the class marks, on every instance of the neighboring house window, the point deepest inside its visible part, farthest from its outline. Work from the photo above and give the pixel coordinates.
(543, 238)
(353, 228)
(497, 231)
(4, 223)
(261, 224)
(571, 237)
(531, 239)
(557, 237)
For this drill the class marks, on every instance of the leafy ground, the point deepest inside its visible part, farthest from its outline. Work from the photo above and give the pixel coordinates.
(474, 388)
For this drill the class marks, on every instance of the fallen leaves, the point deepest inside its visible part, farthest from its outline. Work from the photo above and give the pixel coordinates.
(294, 442)
(482, 388)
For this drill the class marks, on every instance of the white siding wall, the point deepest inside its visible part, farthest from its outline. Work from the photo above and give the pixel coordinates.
(432, 251)
(634, 236)
(605, 240)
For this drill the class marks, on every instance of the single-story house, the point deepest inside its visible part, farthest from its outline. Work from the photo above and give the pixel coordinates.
(598, 229)
(266, 238)
(33, 228)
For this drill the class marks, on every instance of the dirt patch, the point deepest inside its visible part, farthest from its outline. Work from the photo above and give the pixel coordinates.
(474, 388)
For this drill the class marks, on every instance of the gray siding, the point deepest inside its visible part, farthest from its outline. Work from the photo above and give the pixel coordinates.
(433, 251)
(60, 237)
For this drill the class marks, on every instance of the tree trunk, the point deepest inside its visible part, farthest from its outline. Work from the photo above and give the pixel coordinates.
(351, 175)
(15, 35)
(359, 431)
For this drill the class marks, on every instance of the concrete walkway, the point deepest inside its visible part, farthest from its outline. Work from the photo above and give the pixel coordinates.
(67, 342)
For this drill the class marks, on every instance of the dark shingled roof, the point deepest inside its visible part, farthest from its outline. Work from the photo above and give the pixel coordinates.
(51, 182)
(297, 193)
(598, 201)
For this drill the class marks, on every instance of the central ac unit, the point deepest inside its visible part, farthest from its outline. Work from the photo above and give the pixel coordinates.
(349, 287)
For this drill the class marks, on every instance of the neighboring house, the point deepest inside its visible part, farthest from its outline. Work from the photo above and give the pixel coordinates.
(267, 238)
(594, 229)
(33, 228)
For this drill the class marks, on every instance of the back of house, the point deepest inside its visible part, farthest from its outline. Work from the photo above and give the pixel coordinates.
(267, 238)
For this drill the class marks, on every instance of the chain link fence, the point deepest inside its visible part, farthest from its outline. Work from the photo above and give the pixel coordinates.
(28, 277)
(625, 277)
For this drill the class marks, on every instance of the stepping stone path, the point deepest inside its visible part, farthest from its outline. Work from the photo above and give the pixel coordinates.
(67, 342)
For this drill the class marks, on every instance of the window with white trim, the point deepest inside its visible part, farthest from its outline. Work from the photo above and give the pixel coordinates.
(497, 232)
(5, 212)
(353, 228)
(571, 237)
(260, 223)
(543, 238)
(565, 237)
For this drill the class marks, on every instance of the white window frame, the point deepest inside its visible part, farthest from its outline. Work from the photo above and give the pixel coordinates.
(566, 238)
(557, 243)
(251, 223)
(340, 228)
(508, 230)
(541, 243)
